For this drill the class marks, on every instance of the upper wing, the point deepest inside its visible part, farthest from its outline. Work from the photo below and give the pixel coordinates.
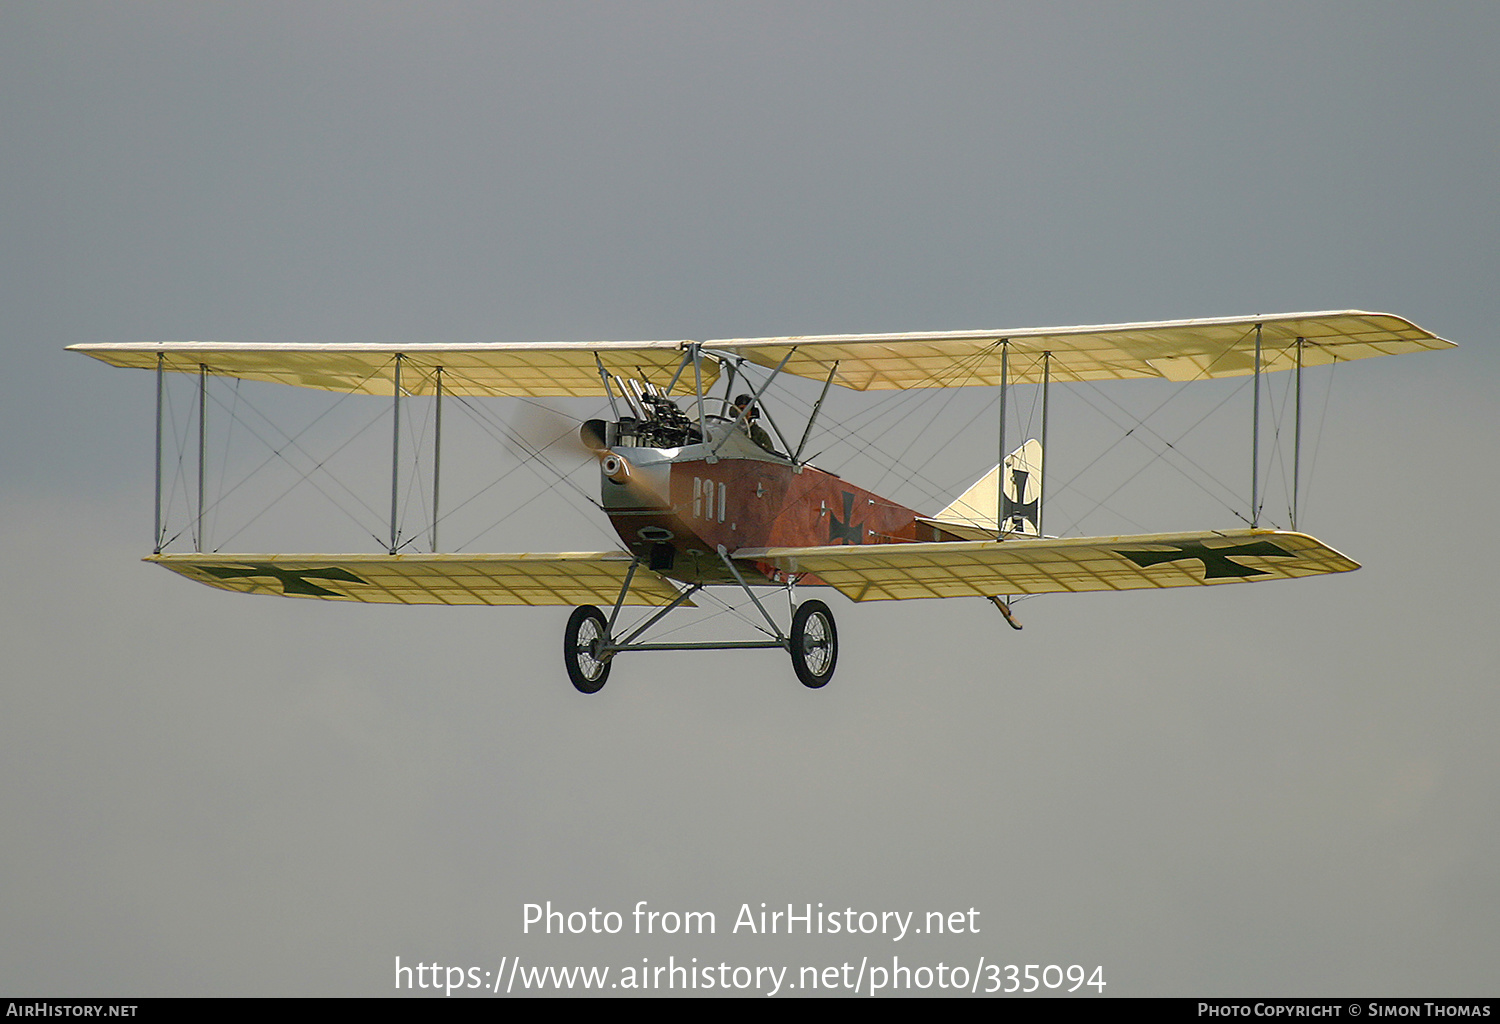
(1172, 349)
(1178, 350)
(497, 368)
(548, 579)
(1182, 350)
(875, 572)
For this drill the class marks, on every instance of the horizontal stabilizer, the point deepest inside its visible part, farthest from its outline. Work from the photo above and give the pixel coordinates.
(567, 578)
(1047, 565)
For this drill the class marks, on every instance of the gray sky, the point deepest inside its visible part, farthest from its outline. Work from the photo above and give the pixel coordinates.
(1287, 789)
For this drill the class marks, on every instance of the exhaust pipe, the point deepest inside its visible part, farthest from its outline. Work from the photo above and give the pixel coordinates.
(616, 468)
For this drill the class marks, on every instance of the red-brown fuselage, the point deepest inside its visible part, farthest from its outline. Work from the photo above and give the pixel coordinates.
(680, 506)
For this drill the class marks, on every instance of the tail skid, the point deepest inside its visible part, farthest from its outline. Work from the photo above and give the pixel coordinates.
(1005, 610)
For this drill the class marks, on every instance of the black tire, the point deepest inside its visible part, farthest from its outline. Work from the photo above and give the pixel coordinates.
(587, 671)
(815, 644)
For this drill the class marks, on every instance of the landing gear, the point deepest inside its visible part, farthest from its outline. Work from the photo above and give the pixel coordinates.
(590, 643)
(587, 665)
(814, 643)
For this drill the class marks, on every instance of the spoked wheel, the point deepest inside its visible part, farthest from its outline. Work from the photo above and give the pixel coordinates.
(586, 667)
(815, 644)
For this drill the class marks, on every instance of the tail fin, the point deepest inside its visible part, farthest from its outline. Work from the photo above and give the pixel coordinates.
(1021, 497)
(1012, 502)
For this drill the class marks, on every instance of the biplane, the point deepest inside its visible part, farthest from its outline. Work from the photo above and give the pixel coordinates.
(702, 496)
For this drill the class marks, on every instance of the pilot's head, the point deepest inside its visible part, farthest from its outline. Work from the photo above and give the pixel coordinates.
(740, 402)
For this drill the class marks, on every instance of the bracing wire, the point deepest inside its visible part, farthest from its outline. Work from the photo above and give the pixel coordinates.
(848, 433)
(1322, 418)
(304, 475)
(1141, 422)
(500, 432)
(179, 438)
(1171, 444)
(292, 441)
(414, 483)
(228, 443)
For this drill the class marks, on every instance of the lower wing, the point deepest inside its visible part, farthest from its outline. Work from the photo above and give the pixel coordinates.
(564, 578)
(1046, 565)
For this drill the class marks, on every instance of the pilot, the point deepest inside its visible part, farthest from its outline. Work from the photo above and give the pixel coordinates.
(755, 430)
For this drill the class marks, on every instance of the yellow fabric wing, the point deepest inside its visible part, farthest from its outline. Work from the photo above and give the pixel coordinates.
(567, 578)
(878, 572)
(485, 369)
(1179, 350)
